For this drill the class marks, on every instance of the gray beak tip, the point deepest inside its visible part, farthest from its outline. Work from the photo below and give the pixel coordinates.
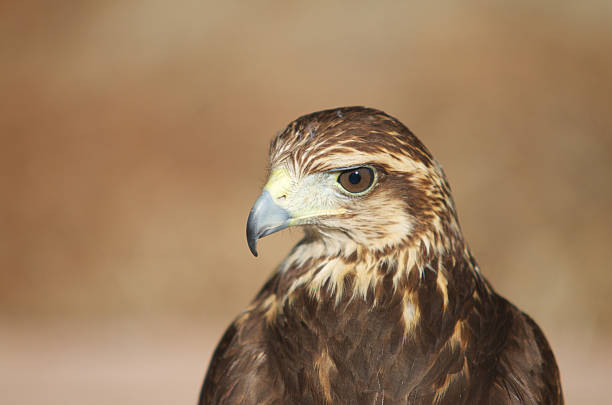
(252, 238)
(265, 218)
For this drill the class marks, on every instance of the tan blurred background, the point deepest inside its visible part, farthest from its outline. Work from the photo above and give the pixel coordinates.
(134, 139)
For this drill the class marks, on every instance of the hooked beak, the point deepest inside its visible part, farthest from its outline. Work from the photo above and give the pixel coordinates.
(284, 203)
(265, 218)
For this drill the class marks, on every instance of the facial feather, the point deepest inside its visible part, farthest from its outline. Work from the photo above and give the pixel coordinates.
(407, 216)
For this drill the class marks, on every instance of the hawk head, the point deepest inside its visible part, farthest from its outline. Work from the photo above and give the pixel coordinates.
(358, 179)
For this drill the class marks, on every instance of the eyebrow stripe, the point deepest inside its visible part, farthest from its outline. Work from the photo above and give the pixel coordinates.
(342, 169)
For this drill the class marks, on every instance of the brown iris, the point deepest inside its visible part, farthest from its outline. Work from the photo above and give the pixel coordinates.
(356, 180)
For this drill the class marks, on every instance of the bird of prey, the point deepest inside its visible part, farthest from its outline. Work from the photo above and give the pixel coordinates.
(381, 302)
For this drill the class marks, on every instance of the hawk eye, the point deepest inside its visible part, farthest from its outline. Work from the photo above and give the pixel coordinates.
(356, 180)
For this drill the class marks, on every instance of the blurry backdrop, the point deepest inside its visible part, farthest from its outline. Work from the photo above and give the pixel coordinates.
(133, 141)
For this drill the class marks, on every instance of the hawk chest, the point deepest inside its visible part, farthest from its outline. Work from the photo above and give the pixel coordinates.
(324, 342)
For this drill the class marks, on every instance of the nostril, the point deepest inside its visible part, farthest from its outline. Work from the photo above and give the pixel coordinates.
(282, 197)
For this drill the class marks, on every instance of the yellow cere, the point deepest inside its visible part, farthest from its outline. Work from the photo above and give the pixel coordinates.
(279, 183)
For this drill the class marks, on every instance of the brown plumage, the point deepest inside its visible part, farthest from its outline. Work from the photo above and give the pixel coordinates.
(382, 301)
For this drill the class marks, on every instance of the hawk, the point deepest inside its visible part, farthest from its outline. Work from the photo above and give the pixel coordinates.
(381, 302)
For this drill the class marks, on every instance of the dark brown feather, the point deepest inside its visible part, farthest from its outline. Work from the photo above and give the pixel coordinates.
(467, 346)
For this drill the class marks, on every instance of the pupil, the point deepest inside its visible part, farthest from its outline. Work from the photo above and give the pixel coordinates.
(355, 177)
